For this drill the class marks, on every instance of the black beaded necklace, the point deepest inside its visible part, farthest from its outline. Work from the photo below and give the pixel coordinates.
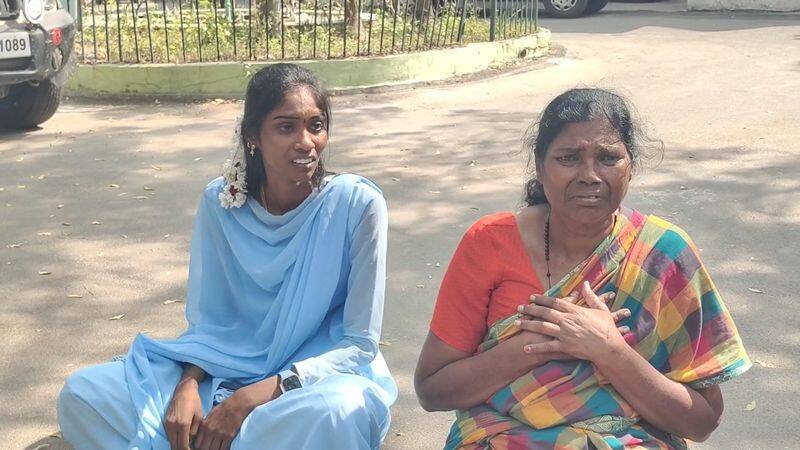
(547, 248)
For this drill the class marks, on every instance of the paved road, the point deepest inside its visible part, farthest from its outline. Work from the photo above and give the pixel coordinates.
(103, 198)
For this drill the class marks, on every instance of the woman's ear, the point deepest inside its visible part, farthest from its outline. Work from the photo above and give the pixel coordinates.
(250, 141)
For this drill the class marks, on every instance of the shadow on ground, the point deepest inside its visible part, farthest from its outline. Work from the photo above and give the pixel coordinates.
(438, 176)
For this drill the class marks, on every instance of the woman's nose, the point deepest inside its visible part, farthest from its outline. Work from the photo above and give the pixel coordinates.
(305, 141)
(588, 172)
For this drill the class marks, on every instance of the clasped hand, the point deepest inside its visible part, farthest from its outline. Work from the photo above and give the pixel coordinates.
(583, 332)
(187, 429)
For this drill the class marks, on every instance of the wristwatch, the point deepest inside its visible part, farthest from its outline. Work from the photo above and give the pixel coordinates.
(288, 381)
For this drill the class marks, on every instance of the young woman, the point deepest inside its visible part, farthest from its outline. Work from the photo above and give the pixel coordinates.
(284, 305)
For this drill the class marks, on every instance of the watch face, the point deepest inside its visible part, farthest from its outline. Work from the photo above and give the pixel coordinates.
(292, 382)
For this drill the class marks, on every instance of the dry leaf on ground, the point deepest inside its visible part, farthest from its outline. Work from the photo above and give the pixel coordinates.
(175, 300)
(44, 272)
(754, 290)
(750, 406)
(74, 296)
(766, 364)
(117, 317)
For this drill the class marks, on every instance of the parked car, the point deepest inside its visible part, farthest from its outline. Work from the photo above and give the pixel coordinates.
(571, 8)
(36, 60)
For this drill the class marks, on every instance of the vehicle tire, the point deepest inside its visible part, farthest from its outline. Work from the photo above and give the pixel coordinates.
(595, 6)
(565, 9)
(28, 105)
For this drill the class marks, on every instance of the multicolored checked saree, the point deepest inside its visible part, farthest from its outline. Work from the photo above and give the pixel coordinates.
(678, 323)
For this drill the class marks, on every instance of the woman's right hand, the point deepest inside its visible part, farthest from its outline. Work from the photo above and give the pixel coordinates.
(527, 336)
(184, 414)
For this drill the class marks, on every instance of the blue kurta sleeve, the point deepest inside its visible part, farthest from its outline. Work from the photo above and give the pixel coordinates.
(363, 309)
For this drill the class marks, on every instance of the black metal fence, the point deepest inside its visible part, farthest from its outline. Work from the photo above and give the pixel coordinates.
(178, 31)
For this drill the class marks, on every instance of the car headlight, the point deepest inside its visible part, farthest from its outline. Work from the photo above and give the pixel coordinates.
(33, 10)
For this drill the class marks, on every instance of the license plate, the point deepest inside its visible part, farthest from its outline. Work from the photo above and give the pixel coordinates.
(14, 45)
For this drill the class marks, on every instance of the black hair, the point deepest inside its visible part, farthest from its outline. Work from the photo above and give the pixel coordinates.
(583, 105)
(266, 91)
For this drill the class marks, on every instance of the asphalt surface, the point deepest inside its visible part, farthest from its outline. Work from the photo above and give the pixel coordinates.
(102, 199)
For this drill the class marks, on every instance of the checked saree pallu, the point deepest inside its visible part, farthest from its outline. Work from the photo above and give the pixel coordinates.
(678, 323)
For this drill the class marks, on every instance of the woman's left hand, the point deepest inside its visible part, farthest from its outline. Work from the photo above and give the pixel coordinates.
(222, 424)
(584, 332)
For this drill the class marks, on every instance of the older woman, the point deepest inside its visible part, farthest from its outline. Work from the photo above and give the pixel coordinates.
(284, 304)
(625, 339)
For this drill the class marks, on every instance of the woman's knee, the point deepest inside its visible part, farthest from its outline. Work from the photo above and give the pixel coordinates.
(86, 384)
(71, 393)
(358, 407)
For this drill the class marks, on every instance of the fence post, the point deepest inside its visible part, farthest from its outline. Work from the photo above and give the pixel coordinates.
(463, 18)
(229, 9)
(492, 20)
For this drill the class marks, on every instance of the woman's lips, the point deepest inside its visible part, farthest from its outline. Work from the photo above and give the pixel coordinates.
(588, 199)
(304, 162)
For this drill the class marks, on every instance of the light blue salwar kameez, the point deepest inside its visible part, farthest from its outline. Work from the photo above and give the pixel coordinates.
(265, 292)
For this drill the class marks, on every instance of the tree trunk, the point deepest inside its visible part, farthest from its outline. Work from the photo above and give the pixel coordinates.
(269, 10)
(353, 14)
(422, 8)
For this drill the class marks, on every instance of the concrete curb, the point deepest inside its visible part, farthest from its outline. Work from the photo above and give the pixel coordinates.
(743, 5)
(229, 79)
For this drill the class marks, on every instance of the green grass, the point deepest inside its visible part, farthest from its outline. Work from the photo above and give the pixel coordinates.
(107, 37)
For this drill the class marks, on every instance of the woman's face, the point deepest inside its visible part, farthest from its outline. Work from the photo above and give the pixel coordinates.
(586, 172)
(292, 138)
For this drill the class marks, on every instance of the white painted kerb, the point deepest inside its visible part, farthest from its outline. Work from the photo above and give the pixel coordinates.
(765, 5)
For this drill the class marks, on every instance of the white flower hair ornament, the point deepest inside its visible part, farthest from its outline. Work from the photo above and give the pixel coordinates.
(234, 192)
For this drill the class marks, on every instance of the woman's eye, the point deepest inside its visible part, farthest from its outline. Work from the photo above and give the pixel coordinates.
(317, 126)
(285, 127)
(567, 158)
(609, 159)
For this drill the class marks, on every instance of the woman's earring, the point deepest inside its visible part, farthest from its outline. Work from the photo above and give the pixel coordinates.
(252, 149)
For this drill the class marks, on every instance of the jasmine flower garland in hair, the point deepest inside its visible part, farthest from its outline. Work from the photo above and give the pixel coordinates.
(234, 192)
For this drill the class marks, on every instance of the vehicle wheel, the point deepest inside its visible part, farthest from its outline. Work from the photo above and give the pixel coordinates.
(595, 6)
(566, 9)
(28, 105)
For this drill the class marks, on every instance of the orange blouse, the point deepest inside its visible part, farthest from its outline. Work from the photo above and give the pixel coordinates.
(489, 276)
